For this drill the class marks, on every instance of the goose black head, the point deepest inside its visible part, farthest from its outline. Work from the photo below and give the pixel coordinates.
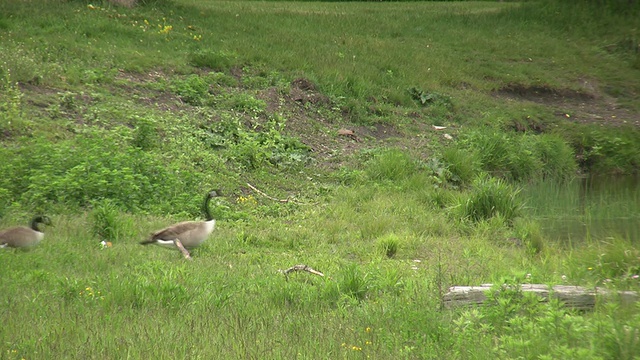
(40, 219)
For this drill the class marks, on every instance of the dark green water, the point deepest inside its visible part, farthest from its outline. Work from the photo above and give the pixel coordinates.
(593, 208)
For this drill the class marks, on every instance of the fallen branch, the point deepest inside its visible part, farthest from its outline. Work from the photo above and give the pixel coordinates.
(300, 268)
(267, 196)
(287, 200)
(576, 297)
(182, 249)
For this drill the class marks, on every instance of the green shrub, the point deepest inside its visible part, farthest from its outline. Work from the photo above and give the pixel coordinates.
(193, 90)
(488, 197)
(254, 148)
(244, 102)
(92, 167)
(606, 150)
(144, 136)
(438, 107)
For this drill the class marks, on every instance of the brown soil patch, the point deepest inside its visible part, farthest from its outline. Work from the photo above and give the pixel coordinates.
(312, 117)
(589, 106)
(304, 91)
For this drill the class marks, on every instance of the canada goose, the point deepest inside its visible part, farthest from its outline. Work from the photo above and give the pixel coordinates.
(190, 233)
(22, 236)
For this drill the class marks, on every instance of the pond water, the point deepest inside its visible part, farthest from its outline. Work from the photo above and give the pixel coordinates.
(590, 208)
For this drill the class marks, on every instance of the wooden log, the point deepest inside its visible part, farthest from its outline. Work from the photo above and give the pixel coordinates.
(576, 297)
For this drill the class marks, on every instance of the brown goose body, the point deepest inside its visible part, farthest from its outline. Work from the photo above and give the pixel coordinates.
(190, 233)
(22, 236)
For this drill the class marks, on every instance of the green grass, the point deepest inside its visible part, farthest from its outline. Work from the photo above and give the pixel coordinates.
(57, 296)
(114, 122)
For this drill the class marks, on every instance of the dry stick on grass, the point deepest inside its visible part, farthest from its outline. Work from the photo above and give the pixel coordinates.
(287, 200)
(182, 249)
(300, 268)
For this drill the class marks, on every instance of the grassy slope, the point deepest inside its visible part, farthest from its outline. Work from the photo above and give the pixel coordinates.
(70, 299)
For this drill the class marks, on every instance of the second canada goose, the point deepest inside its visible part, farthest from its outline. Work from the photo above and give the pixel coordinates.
(22, 236)
(190, 233)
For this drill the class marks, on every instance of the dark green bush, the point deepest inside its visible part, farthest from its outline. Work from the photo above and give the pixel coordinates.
(193, 90)
(604, 150)
(145, 136)
(74, 173)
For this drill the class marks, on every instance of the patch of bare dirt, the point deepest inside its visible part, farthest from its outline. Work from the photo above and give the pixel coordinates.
(312, 118)
(304, 91)
(589, 106)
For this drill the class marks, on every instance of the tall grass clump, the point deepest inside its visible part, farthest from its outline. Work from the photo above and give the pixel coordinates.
(463, 165)
(390, 165)
(530, 233)
(488, 197)
(389, 244)
(501, 154)
(518, 157)
(354, 282)
(557, 157)
(106, 223)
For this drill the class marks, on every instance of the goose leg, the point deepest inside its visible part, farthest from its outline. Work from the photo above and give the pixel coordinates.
(184, 251)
